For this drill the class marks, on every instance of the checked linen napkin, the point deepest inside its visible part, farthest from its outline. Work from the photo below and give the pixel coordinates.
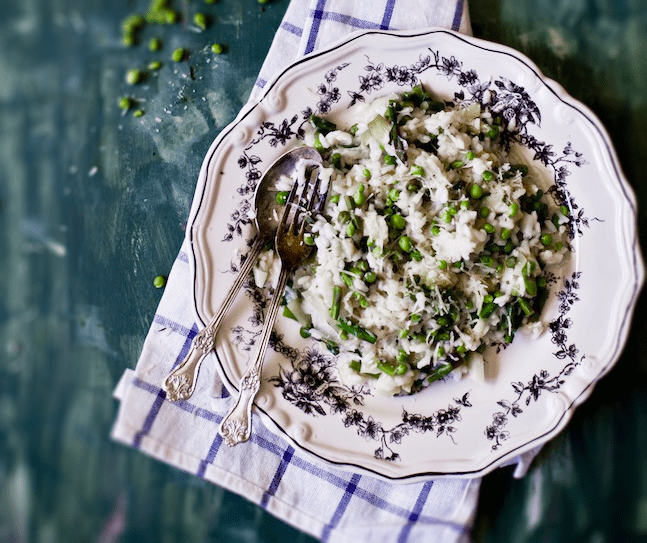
(267, 470)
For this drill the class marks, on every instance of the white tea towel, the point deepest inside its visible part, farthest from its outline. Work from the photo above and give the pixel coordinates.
(268, 470)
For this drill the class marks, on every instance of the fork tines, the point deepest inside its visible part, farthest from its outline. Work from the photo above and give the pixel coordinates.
(305, 200)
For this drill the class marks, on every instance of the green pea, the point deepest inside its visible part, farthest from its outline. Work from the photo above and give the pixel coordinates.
(442, 264)
(367, 173)
(398, 222)
(155, 65)
(133, 76)
(370, 277)
(343, 217)
(484, 212)
(505, 233)
(402, 356)
(489, 228)
(470, 155)
(350, 230)
(217, 48)
(159, 281)
(416, 255)
(125, 103)
(457, 164)
(476, 192)
(394, 195)
(359, 197)
(487, 176)
(513, 209)
(178, 54)
(564, 210)
(405, 244)
(282, 197)
(200, 20)
(334, 199)
(465, 204)
(154, 44)
(309, 239)
(417, 170)
(138, 113)
(435, 230)
(363, 302)
(546, 240)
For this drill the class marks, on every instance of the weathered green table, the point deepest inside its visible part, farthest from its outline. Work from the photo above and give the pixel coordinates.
(92, 208)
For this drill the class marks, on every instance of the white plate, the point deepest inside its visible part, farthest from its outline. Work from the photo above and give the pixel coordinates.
(453, 428)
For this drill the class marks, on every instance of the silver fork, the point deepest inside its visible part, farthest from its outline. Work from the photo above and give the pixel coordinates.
(292, 250)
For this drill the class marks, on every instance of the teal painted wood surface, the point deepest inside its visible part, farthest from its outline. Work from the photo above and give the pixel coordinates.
(92, 207)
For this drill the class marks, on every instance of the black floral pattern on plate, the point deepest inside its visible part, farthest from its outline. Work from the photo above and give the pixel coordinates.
(311, 384)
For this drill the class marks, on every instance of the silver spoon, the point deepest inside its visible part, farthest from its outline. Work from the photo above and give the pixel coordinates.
(180, 383)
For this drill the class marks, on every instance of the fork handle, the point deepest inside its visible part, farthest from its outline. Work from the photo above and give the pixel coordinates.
(237, 424)
(180, 383)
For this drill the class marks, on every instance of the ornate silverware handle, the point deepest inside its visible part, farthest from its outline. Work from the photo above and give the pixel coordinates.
(236, 426)
(180, 383)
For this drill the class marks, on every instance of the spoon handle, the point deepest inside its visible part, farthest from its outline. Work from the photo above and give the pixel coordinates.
(237, 424)
(180, 383)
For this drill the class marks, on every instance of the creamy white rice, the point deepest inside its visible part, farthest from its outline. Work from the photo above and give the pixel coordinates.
(433, 245)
